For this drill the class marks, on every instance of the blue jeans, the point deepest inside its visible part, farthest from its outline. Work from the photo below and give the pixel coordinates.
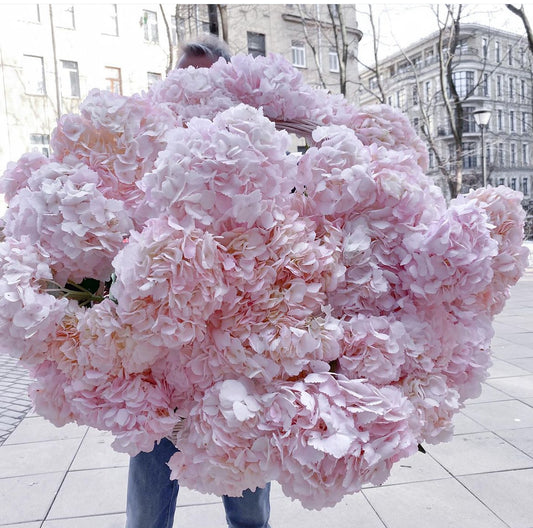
(152, 495)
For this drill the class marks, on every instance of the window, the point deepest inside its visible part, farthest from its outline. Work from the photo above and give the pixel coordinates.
(70, 79)
(511, 121)
(501, 155)
(256, 44)
(462, 46)
(511, 88)
(333, 60)
(64, 16)
(416, 124)
(523, 90)
(113, 79)
(153, 78)
(510, 54)
(400, 98)
(429, 56)
(485, 46)
(499, 85)
(501, 181)
(469, 156)
(149, 21)
(431, 159)
(524, 122)
(485, 86)
(34, 83)
(403, 67)
(298, 53)
(525, 158)
(498, 51)
(488, 154)
(469, 123)
(464, 82)
(40, 143)
(513, 155)
(525, 186)
(513, 184)
(109, 19)
(415, 94)
(427, 91)
(500, 119)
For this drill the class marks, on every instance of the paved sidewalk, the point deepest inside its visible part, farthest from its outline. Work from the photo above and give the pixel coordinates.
(71, 478)
(14, 400)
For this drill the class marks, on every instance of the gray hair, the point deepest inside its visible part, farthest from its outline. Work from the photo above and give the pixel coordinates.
(207, 45)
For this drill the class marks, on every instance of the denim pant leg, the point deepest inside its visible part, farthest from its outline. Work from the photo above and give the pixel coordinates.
(252, 510)
(151, 501)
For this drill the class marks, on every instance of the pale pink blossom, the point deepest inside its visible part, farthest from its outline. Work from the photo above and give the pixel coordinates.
(308, 319)
(28, 315)
(17, 174)
(62, 210)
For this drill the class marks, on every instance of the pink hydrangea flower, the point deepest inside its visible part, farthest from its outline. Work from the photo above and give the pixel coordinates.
(62, 210)
(309, 319)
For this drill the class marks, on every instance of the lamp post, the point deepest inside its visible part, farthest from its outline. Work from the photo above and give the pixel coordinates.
(482, 117)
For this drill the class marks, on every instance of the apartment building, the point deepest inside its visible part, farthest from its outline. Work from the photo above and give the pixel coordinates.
(52, 55)
(491, 71)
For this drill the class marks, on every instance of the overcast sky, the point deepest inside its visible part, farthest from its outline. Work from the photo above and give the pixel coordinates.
(401, 24)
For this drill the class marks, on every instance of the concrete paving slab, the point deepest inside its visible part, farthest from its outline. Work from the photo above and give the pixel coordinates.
(507, 492)
(503, 369)
(94, 521)
(521, 439)
(25, 499)
(501, 415)
(524, 363)
(517, 387)
(25, 459)
(38, 429)
(201, 515)
(479, 453)
(488, 394)
(353, 511)
(511, 351)
(462, 424)
(91, 492)
(96, 452)
(417, 468)
(435, 504)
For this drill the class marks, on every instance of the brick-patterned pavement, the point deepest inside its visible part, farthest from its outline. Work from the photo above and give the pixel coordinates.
(14, 400)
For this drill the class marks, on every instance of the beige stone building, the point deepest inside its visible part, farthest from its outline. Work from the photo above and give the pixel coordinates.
(492, 71)
(52, 55)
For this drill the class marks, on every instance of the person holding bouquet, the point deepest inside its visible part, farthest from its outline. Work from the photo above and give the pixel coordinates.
(152, 495)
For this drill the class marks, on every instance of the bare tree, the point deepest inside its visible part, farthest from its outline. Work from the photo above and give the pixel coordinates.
(170, 62)
(520, 12)
(223, 14)
(341, 42)
(335, 30)
(311, 43)
(376, 68)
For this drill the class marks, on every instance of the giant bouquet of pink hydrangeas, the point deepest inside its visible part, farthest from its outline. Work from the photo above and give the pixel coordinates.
(310, 320)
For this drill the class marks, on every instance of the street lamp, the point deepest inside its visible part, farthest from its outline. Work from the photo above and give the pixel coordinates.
(482, 117)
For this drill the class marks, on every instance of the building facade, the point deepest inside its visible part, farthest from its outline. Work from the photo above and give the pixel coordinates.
(52, 55)
(491, 71)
